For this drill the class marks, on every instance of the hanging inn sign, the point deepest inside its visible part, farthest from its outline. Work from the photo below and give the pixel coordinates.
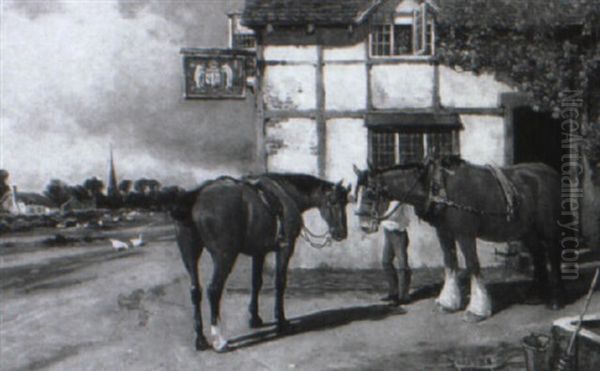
(216, 73)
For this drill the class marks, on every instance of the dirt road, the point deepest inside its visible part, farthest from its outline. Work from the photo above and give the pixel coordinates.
(87, 307)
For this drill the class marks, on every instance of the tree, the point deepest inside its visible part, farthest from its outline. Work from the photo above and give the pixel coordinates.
(80, 193)
(94, 185)
(4, 187)
(141, 185)
(153, 186)
(57, 191)
(125, 186)
(540, 47)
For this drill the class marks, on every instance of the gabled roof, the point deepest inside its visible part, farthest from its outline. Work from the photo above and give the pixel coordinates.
(259, 13)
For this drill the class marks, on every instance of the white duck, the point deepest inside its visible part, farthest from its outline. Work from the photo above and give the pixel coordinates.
(137, 242)
(118, 245)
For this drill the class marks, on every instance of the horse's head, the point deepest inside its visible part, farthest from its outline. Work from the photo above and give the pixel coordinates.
(333, 210)
(374, 192)
(370, 198)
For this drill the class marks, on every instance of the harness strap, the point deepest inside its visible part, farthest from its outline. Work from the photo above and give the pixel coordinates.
(508, 190)
(305, 233)
(272, 203)
(439, 196)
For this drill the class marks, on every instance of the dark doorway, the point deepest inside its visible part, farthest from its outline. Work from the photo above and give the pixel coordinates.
(536, 137)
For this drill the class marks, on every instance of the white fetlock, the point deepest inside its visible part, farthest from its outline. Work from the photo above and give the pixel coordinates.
(450, 298)
(219, 343)
(480, 303)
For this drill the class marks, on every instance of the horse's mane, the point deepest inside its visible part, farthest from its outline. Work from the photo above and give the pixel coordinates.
(303, 182)
(450, 161)
(405, 166)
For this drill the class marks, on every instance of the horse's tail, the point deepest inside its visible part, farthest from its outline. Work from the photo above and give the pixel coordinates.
(181, 209)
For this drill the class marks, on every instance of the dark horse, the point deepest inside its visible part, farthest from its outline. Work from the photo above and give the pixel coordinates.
(252, 216)
(474, 206)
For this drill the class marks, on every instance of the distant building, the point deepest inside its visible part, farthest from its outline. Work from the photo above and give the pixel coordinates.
(32, 203)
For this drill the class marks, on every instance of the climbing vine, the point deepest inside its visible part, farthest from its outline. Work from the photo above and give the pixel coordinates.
(540, 47)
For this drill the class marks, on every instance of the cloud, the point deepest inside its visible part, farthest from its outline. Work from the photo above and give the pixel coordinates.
(79, 75)
(33, 9)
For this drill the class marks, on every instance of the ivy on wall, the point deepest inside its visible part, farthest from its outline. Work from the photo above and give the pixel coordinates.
(540, 47)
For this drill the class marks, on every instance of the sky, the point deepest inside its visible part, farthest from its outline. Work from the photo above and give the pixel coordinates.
(79, 75)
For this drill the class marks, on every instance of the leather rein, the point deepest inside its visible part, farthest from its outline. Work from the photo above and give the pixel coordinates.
(431, 199)
(374, 215)
(306, 234)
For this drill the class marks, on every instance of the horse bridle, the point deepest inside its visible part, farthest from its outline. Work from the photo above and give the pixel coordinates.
(331, 200)
(381, 190)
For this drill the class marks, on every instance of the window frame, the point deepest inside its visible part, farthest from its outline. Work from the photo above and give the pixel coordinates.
(421, 47)
(425, 148)
(234, 25)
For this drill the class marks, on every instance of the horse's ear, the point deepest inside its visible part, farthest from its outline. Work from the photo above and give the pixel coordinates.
(356, 170)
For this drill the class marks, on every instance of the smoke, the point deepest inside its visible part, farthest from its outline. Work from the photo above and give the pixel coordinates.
(77, 76)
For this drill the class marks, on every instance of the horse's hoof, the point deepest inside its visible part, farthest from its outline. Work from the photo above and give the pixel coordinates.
(471, 317)
(442, 309)
(202, 344)
(256, 322)
(220, 346)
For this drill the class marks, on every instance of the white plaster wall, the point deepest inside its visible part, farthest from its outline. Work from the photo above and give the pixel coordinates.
(291, 53)
(483, 139)
(294, 143)
(467, 90)
(346, 145)
(290, 87)
(402, 86)
(356, 52)
(345, 86)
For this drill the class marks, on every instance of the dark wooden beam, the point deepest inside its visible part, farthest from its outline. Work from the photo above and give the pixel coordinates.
(320, 115)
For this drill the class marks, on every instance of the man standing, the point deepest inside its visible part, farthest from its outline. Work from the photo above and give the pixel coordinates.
(396, 246)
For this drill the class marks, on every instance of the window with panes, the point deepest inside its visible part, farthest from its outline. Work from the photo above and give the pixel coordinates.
(395, 147)
(413, 36)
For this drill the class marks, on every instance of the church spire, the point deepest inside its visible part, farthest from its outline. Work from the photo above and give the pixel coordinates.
(113, 189)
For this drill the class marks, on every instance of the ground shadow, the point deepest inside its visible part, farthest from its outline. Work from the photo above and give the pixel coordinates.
(425, 292)
(506, 294)
(317, 321)
(577, 288)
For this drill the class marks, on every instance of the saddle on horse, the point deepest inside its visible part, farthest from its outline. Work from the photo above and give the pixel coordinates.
(279, 204)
